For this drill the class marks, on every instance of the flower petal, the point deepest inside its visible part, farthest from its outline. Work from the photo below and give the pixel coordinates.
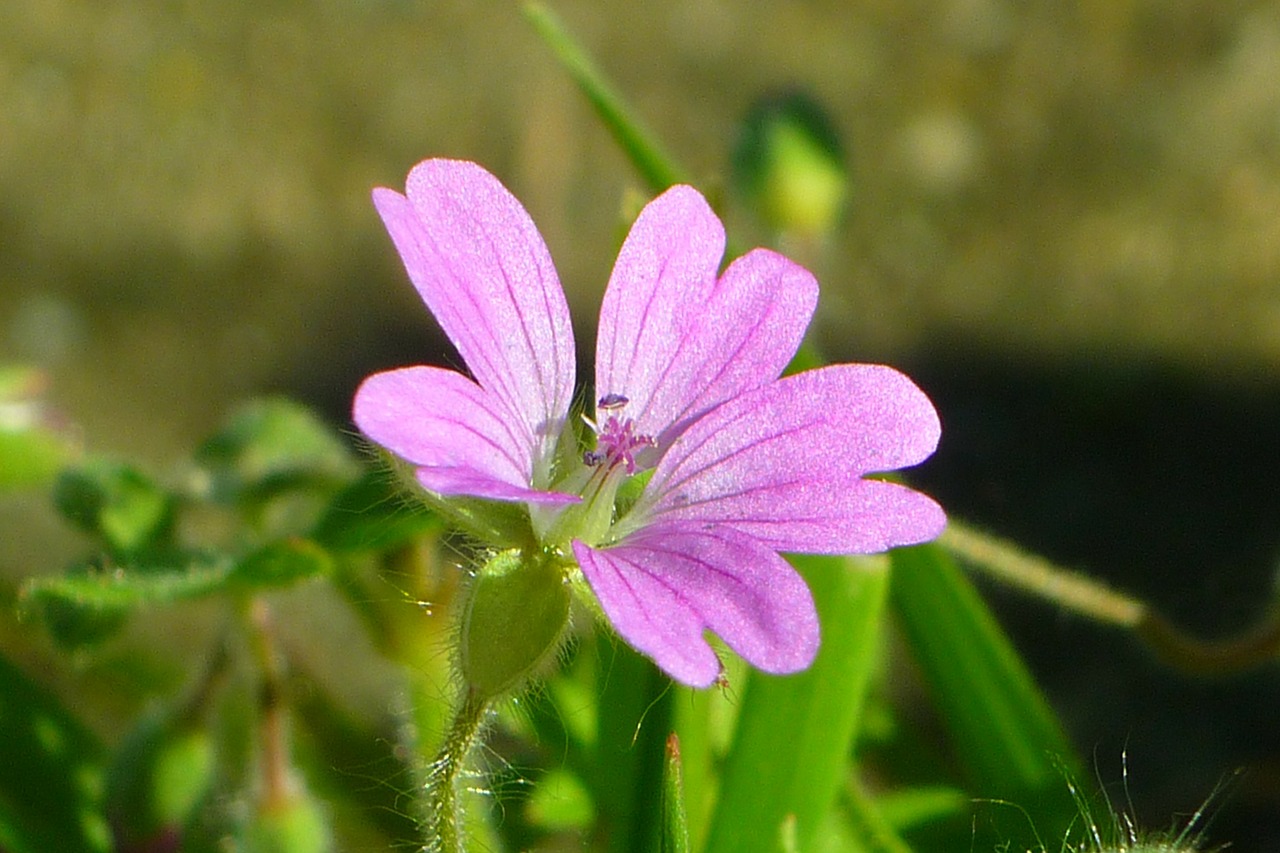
(460, 434)
(662, 587)
(665, 272)
(750, 327)
(480, 265)
(784, 463)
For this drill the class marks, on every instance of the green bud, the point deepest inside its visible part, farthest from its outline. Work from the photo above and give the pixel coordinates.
(157, 782)
(789, 164)
(517, 610)
(293, 823)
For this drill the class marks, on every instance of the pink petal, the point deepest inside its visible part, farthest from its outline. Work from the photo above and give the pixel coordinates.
(784, 463)
(749, 329)
(483, 270)
(664, 275)
(662, 587)
(460, 434)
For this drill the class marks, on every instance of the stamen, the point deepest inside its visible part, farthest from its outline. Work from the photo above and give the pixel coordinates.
(610, 402)
(616, 439)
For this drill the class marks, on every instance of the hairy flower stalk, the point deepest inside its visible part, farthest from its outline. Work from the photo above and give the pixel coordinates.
(701, 464)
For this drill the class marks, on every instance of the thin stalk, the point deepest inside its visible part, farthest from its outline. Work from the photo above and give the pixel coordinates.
(1005, 562)
(445, 815)
(273, 735)
(657, 168)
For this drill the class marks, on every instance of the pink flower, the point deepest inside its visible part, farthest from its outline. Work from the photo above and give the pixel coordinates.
(741, 464)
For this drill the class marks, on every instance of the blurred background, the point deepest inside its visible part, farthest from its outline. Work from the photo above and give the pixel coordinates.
(1063, 220)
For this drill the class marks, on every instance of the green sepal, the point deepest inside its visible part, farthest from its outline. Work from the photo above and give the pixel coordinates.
(516, 612)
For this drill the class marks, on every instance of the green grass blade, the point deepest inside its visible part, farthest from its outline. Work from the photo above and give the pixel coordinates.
(1003, 729)
(814, 713)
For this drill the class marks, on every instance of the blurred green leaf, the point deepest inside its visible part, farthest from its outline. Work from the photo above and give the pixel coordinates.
(1001, 726)
(30, 457)
(371, 514)
(272, 446)
(282, 563)
(913, 807)
(116, 503)
(560, 801)
(815, 713)
(630, 746)
(104, 590)
(158, 778)
(50, 773)
(31, 451)
(343, 749)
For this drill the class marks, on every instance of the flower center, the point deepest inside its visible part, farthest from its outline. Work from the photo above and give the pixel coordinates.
(604, 470)
(616, 440)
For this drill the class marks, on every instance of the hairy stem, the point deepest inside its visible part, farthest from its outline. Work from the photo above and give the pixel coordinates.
(445, 814)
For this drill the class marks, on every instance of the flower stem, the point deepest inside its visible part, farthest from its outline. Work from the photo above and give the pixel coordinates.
(1254, 646)
(1009, 564)
(657, 168)
(445, 815)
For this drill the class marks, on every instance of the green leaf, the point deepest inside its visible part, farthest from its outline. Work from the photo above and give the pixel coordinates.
(347, 749)
(30, 458)
(560, 801)
(815, 713)
(643, 149)
(272, 446)
(50, 773)
(118, 504)
(158, 778)
(1001, 726)
(31, 451)
(372, 515)
(97, 589)
(630, 746)
(282, 563)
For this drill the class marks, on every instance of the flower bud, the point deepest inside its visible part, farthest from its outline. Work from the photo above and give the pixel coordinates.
(293, 823)
(517, 610)
(788, 163)
(158, 781)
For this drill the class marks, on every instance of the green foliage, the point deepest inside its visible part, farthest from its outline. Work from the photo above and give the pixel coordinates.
(761, 787)
(1009, 740)
(118, 504)
(31, 449)
(50, 772)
